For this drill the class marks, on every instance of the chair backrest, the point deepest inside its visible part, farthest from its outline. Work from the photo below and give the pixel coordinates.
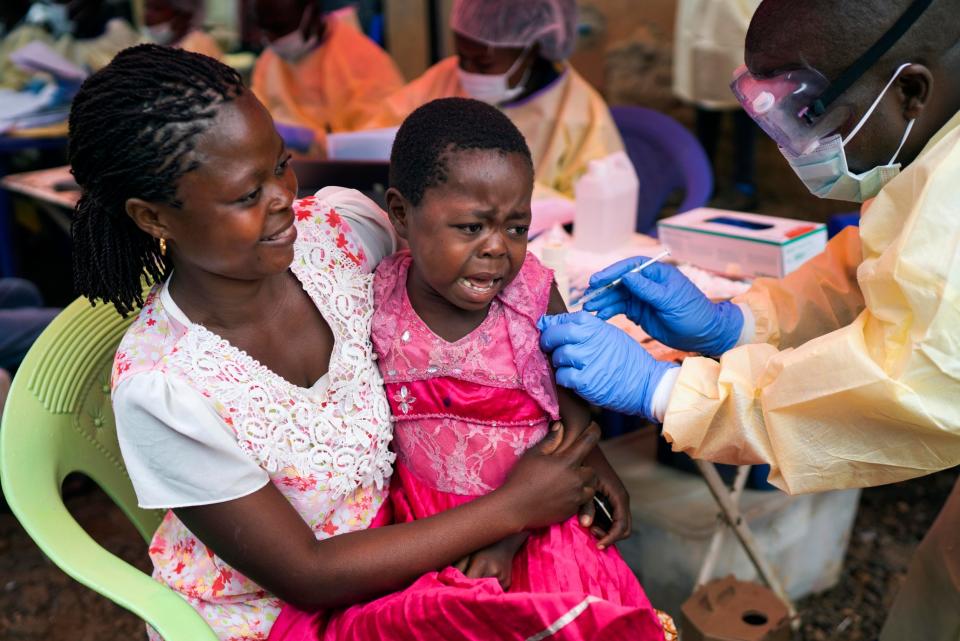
(838, 222)
(667, 158)
(58, 420)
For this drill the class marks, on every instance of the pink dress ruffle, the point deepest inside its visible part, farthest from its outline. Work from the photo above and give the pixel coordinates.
(465, 412)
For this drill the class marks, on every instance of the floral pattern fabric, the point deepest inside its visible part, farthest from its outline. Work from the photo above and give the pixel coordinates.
(326, 450)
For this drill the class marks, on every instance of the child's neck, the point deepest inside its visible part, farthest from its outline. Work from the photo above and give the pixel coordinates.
(446, 320)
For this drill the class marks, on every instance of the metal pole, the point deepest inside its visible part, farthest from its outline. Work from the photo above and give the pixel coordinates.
(716, 541)
(732, 514)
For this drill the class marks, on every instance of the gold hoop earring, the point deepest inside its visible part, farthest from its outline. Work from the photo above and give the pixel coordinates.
(163, 246)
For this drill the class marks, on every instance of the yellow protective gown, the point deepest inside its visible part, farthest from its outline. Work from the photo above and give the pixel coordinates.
(859, 380)
(336, 87)
(707, 47)
(566, 124)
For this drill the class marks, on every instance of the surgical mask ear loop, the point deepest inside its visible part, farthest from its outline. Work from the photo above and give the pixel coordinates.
(516, 65)
(902, 141)
(874, 106)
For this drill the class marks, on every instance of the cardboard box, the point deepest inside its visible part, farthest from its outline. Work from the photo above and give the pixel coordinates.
(739, 244)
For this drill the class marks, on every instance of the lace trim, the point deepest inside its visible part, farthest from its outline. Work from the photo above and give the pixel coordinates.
(412, 416)
(340, 435)
(463, 458)
(413, 374)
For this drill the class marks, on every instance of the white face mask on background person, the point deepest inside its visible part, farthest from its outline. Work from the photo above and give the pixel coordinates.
(495, 89)
(293, 46)
(824, 171)
(161, 33)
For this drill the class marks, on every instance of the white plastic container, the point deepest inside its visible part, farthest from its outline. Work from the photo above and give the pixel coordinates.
(606, 204)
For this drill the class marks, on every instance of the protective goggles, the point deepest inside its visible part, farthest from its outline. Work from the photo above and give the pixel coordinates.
(793, 108)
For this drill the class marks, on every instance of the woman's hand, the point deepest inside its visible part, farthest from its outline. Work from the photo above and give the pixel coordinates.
(493, 561)
(610, 486)
(549, 483)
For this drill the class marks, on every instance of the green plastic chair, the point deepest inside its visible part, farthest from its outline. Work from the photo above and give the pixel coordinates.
(58, 420)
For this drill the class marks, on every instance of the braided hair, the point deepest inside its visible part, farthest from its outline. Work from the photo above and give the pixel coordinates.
(430, 134)
(133, 128)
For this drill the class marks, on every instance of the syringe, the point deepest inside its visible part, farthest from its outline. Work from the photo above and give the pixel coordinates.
(639, 268)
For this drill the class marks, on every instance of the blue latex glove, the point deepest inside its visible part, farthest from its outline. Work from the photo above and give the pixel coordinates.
(670, 308)
(601, 363)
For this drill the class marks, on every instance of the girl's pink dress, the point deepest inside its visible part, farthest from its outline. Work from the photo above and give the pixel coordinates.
(464, 413)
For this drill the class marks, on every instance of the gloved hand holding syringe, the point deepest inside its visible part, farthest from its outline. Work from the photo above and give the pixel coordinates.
(590, 295)
(607, 367)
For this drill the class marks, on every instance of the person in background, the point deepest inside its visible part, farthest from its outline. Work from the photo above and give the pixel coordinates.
(22, 318)
(100, 29)
(41, 21)
(512, 55)
(845, 373)
(708, 45)
(178, 23)
(88, 33)
(317, 74)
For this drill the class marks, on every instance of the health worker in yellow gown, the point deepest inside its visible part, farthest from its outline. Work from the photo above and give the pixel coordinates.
(846, 373)
(318, 74)
(512, 54)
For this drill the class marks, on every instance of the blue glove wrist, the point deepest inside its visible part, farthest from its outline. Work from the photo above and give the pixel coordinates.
(601, 363)
(728, 324)
(657, 371)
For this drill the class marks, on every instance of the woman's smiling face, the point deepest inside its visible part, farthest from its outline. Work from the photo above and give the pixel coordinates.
(236, 219)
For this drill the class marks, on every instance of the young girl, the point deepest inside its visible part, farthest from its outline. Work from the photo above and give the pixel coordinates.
(246, 393)
(454, 329)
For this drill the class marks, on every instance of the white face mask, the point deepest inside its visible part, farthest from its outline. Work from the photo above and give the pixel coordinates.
(160, 33)
(293, 46)
(494, 89)
(824, 170)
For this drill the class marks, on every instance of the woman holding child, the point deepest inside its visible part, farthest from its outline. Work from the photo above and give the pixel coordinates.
(247, 394)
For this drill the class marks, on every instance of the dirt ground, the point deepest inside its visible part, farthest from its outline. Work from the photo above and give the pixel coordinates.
(38, 602)
(890, 523)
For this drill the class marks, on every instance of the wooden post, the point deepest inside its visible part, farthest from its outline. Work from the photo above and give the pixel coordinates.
(408, 40)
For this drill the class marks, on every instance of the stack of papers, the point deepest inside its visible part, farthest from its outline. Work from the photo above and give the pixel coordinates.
(27, 109)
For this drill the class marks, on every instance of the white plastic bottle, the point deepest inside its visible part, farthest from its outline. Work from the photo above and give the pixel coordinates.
(606, 204)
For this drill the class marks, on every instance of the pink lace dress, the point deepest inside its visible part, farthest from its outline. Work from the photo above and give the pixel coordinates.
(464, 412)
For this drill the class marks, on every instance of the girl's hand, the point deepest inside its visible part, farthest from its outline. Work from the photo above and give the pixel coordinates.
(494, 561)
(610, 485)
(546, 488)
